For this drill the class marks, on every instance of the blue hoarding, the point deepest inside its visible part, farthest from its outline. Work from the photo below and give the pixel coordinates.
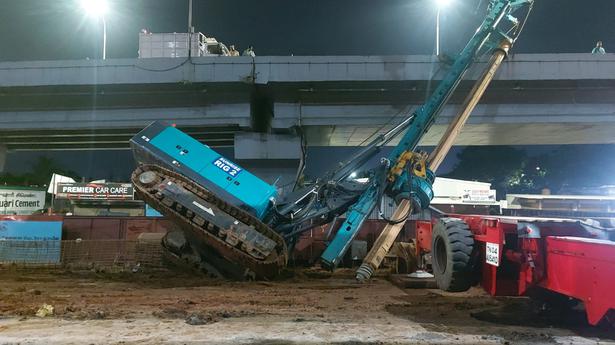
(30, 241)
(151, 212)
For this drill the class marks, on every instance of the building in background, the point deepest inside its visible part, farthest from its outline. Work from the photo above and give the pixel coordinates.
(465, 197)
(546, 205)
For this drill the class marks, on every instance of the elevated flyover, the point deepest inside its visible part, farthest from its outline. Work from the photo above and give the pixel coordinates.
(337, 100)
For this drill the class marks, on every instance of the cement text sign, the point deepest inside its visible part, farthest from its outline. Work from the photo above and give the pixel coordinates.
(21, 202)
(95, 191)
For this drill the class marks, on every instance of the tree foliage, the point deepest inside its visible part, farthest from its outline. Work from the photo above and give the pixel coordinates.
(511, 170)
(39, 175)
(503, 167)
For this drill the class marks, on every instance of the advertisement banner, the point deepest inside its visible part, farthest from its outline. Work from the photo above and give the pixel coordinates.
(478, 195)
(95, 191)
(21, 202)
(27, 241)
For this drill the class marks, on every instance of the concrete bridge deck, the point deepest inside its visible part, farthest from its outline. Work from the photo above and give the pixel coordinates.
(339, 100)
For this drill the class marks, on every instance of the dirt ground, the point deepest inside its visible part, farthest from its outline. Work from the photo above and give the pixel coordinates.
(306, 308)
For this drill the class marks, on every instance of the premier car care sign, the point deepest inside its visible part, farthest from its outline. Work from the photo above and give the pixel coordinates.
(227, 166)
(95, 191)
(21, 201)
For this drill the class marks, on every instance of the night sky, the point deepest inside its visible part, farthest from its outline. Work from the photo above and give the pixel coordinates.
(56, 29)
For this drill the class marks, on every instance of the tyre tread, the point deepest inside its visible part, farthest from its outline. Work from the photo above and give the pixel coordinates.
(460, 244)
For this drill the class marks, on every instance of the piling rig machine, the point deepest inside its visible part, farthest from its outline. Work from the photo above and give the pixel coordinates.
(241, 227)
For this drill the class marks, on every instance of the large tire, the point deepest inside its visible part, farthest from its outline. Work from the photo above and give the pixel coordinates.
(451, 248)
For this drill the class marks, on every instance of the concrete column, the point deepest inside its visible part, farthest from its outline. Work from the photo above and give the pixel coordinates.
(3, 154)
(267, 146)
(274, 158)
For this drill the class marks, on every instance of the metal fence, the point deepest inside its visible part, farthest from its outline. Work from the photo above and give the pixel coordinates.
(120, 254)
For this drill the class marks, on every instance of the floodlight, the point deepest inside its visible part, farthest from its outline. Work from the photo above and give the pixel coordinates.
(95, 8)
(98, 9)
(443, 3)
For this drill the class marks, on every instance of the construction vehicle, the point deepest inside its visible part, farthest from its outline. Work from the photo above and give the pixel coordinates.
(559, 261)
(239, 224)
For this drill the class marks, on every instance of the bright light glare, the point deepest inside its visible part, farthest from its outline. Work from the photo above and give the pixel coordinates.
(353, 175)
(95, 8)
(443, 3)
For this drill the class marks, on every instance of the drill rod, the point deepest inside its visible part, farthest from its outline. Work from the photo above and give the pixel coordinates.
(385, 241)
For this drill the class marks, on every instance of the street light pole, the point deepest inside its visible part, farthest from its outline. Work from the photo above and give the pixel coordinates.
(98, 9)
(104, 56)
(438, 30)
(190, 29)
(190, 16)
(440, 4)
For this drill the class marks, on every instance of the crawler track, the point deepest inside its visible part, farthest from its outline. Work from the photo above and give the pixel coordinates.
(226, 236)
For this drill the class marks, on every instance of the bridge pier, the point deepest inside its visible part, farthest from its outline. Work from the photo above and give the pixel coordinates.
(250, 145)
(3, 154)
(275, 158)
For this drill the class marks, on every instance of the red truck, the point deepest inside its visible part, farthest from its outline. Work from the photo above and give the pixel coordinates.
(510, 256)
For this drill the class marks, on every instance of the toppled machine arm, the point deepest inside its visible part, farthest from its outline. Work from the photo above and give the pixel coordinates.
(239, 224)
(499, 29)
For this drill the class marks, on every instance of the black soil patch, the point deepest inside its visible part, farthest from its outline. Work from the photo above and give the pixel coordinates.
(516, 320)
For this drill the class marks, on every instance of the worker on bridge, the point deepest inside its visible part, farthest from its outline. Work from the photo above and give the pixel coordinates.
(232, 51)
(249, 52)
(598, 49)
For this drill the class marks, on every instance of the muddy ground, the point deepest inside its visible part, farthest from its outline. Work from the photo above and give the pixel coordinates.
(307, 307)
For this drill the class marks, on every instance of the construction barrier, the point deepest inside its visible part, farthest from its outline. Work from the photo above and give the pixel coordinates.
(82, 254)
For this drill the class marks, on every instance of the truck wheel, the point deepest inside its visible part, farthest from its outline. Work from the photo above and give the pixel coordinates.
(451, 248)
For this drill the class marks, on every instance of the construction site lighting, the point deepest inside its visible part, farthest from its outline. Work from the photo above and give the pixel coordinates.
(443, 3)
(95, 8)
(98, 9)
(440, 4)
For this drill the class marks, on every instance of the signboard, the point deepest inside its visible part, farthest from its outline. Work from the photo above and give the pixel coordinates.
(492, 254)
(21, 202)
(478, 195)
(95, 191)
(30, 241)
(55, 179)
